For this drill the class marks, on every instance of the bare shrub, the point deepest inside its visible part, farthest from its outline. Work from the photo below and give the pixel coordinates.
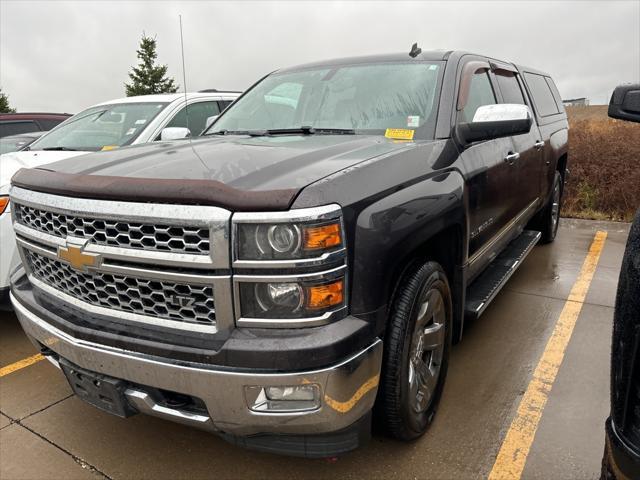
(604, 164)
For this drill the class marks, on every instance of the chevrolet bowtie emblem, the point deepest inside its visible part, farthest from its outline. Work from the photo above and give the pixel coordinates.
(79, 260)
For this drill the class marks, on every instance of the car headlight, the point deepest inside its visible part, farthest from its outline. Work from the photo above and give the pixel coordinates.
(278, 260)
(293, 299)
(4, 203)
(288, 241)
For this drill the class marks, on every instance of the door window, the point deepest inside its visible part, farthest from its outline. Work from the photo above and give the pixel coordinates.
(198, 114)
(480, 93)
(509, 87)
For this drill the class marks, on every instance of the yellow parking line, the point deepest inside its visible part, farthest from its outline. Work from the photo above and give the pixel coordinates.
(25, 362)
(515, 448)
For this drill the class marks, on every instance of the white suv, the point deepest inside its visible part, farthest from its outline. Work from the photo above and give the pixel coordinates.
(109, 125)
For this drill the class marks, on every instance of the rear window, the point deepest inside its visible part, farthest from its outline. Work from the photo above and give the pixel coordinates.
(49, 123)
(17, 127)
(542, 96)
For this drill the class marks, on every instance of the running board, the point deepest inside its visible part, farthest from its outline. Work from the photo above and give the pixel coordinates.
(484, 289)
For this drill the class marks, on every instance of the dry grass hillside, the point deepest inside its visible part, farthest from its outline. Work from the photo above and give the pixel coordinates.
(604, 164)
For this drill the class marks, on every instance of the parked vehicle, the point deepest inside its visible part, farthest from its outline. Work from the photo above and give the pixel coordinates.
(314, 255)
(109, 125)
(13, 143)
(621, 458)
(18, 123)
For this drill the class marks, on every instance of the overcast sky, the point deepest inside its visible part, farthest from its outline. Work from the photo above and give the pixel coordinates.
(65, 56)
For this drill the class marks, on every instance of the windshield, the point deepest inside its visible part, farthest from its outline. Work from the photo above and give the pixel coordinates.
(101, 127)
(367, 99)
(13, 144)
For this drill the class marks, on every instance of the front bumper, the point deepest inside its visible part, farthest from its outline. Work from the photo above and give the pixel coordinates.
(623, 459)
(348, 388)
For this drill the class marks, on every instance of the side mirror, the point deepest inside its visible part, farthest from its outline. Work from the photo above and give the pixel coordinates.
(496, 121)
(174, 133)
(210, 120)
(625, 103)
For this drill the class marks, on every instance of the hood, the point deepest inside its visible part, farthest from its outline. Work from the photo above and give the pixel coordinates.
(11, 162)
(246, 163)
(233, 172)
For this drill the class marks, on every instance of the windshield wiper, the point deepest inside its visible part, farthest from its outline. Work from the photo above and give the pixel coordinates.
(304, 130)
(251, 133)
(59, 149)
(336, 131)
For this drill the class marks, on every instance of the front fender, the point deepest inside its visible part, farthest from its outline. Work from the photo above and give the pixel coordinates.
(390, 231)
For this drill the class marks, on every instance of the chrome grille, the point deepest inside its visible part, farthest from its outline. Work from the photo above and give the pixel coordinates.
(113, 233)
(126, 293)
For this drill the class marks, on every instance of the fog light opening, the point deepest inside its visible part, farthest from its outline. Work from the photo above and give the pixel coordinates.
(285, 398)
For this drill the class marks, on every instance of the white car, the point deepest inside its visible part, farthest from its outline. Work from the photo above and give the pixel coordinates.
(109, 125)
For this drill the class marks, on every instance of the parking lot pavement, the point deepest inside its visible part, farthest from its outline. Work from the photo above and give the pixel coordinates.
(47, 433)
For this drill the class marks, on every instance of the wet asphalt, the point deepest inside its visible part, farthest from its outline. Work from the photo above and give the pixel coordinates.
(45, 432)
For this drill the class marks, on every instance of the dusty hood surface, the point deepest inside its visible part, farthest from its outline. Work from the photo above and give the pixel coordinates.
(235, 172)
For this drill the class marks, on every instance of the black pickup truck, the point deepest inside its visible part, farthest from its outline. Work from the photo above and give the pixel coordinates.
(307, 264)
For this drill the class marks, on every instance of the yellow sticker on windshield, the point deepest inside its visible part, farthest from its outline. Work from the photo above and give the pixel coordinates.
(399, 133)
(109, 147)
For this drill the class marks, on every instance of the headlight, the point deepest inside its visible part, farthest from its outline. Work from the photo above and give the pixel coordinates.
(289, 268)
(291, 300)
(288, 241)
(4, 203)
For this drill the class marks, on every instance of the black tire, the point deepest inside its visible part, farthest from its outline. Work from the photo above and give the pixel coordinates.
(403, 414)
(550, 215)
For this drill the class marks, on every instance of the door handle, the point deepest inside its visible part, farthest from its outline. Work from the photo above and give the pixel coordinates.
(511, 157)
(538, 145)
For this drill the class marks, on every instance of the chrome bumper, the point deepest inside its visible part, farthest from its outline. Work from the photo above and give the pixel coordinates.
(348, 389)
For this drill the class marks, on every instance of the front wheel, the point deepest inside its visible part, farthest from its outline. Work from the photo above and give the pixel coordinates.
(417, 346)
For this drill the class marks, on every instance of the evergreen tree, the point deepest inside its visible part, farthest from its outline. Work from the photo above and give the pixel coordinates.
(148, 78)
(4, 104)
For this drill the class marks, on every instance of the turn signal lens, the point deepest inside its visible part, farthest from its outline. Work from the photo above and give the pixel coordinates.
(4, 202)
(322, 237)
(323, 296)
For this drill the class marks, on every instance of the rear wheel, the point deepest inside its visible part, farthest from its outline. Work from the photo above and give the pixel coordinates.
(551, 214)
(416, 352)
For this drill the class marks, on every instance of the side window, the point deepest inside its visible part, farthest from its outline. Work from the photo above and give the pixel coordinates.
(15, 128)
(556, 93)
(198, 114)
(480, 93)
(510, 87)
(541, 93)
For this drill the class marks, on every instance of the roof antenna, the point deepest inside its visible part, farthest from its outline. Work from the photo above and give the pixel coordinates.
(184, 79)
(415, 51)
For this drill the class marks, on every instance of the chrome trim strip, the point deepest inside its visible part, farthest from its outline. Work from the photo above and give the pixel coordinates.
(120, 314)
(324, 212)
(496, 238)
(290, 322)
(107, 267)
(145, 404)
(300, 277)
(134, 255)
(327, 257)
(217, 219)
